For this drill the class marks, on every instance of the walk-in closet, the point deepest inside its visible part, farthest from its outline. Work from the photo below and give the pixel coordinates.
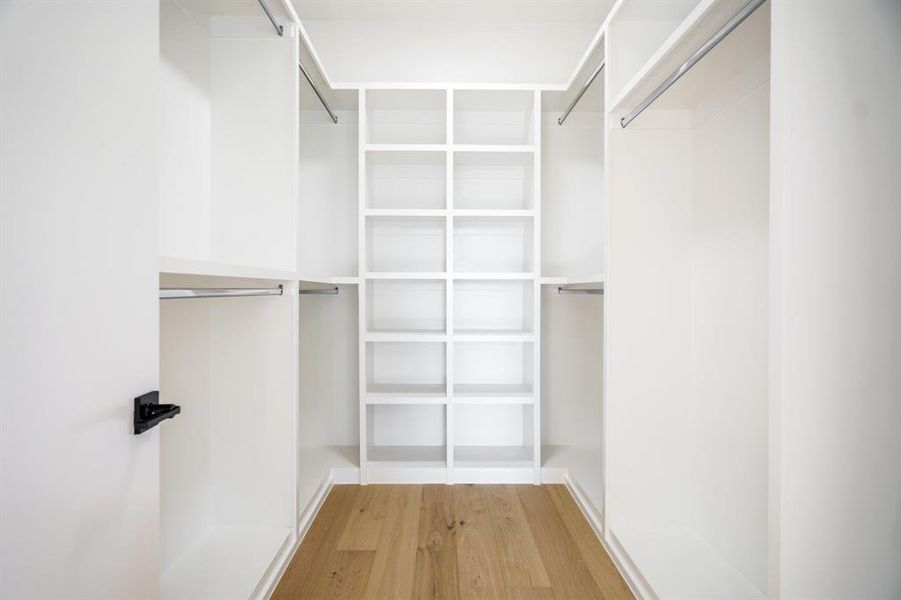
(405, 300)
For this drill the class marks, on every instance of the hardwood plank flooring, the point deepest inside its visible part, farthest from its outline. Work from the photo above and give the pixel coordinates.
(461, 542)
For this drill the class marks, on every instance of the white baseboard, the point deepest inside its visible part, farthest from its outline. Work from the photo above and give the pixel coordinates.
(633, 578)
(303, 526)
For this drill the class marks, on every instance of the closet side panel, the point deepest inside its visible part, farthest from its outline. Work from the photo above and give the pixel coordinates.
(328, 194)
(184, 149)
(251, 396)
(572, 195)
(254, 150)
(837, 289)
(78, 298)
(648, 332)
(728, 436)
(185, 469)
(572, 369)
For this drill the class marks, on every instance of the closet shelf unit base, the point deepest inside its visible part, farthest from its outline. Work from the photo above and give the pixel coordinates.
(226, 564)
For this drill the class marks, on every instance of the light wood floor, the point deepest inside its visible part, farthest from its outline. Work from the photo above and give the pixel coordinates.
(393, 542)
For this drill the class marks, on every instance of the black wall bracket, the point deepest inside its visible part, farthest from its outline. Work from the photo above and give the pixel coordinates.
(149, 412)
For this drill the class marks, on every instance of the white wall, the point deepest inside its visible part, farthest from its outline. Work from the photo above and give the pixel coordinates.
(328, 193)
(572, 369)
(729, 284)
(78, 298)
(572, 194)
(836, 255)
(449, 51)
(184, 163)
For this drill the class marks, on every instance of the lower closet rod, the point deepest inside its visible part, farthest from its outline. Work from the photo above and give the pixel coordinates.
(595, 292)
(177, 293)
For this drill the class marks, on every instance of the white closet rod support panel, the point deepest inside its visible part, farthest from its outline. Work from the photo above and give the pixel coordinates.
(581, 93)
(179, 293)
(279, 29)
(734, 22)
(318, 95)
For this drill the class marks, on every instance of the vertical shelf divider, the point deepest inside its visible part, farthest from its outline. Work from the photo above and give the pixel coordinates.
(361, 269)
(536, 286)
(449, 289)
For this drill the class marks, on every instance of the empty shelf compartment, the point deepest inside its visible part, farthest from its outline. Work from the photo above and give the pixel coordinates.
(406, 117)
(494, 368)
(496, 117)
(405, 244)
(494, 181)
(406, 435)
(493, 245)
(493, 307)
(490, 436)
(406, 180)
(405, 368)
(413, 307)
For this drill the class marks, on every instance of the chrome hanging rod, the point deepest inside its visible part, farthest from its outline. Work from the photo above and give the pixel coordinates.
(581, 93)
(318, 95)
(178, 293)
(591, 291)
(333, 291)
(734, 22)
(279, 29)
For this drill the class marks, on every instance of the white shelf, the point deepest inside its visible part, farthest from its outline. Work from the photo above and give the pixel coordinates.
(698, 26)
(405, 212)
(411, 390)
(585, 279)
(405, 275)
(507, 276)
(488, 212)
(418, 399)
(485, 392)
(405, 336)
(677, 563)
(328, 279)
(226, 563)
(493, 336)
(492, 148)
(405, 147)
(187, 266)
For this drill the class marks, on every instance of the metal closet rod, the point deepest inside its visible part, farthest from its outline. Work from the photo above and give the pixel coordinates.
(179, 293)
(591, 291)
(581, 93)
(318, 95)
(734, 22)
(332, 291)
(279, 29)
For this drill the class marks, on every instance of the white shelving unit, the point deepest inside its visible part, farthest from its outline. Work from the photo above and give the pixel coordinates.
(449, 222)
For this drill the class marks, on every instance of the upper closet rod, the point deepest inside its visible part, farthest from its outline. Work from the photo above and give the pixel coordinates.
(177, 293)
(279, 29)
(318, 95)
(734, 22)
(581, 93)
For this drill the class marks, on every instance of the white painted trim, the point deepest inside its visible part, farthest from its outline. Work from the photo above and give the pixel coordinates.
(304, 521)
(621, 560)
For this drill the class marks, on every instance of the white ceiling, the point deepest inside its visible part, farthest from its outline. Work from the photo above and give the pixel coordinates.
(455, 10)
(451, 41)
